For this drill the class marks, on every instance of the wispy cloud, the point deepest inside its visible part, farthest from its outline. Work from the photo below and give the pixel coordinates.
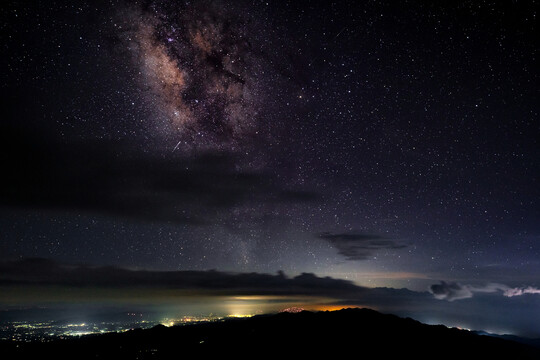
(520, 291)
(360, 246)
(451, 291)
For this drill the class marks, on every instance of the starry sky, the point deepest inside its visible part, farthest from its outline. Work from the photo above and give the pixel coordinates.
(390, 144)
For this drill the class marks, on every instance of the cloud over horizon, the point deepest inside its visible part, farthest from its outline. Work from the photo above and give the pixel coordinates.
(451, 291)
(44, 272)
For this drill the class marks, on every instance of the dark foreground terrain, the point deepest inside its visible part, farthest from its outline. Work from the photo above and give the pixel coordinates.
(351, 332)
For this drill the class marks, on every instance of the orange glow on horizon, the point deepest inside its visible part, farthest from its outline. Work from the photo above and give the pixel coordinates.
(330, 307)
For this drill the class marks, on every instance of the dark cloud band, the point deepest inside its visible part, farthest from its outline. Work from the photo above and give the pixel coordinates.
(360, 246)
(118, 179)
(44, 272)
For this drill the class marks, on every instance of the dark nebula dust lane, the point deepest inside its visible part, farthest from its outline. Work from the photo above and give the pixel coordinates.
(202, 68)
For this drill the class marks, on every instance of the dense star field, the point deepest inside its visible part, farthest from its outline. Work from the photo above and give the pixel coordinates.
(389, 144)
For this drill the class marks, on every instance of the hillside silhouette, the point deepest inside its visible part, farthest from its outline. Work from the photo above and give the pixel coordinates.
(347, 332)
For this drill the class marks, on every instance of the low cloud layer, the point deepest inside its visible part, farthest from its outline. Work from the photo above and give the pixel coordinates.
(451, 291)
(42, 272)
(360, 246)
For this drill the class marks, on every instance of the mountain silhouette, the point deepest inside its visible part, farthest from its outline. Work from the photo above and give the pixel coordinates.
(347, 332)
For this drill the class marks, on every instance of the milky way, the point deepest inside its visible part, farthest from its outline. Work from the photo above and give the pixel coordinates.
(200, 70)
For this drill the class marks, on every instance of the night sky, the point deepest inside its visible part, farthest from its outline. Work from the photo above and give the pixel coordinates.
(392, 144)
